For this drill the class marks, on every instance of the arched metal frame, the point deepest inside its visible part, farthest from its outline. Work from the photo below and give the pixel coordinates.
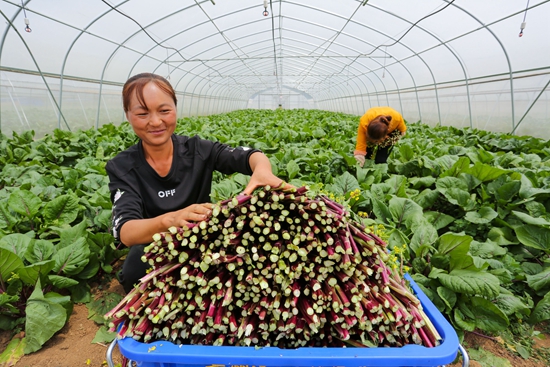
(10, 25)
(340, 83)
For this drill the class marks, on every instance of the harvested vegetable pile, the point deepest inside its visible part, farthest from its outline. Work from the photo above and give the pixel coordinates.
(276, 268)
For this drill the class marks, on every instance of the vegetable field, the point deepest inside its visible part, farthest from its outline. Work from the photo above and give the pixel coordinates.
(465, 212)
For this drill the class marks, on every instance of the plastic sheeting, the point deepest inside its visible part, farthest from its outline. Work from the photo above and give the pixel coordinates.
(449, 62)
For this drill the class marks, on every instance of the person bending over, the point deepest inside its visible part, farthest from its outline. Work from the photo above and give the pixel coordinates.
(165, 179)
(379, 129)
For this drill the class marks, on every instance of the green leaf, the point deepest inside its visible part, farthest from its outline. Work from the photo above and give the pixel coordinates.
(39, 250)
(274, 165)
(527, 189)
(424, 234)
(502, 236)
(103, 219)
(7, 219)
(404, 211)
(531, 268)
(427, 198)
(508, 191)
(81, 293)
(406, 152)
(437, 219)
(510, 304)
(440, 261)
(535, 209)
(99, 307)
(381, 210)
(448, 296)
(461, 165)
(484, 215)
(456, 191)
(530, 220)
(72, 259)
(446, 162)
(419, 182)
(13, 352)
(44, 319)
(462, 261)
(397, 185)
(64, 301)
(292, 168)
(419, 263)
(224, 189)
(461, 198)
(542, 310)
(472, 182)
(447, 183)
(486, 249)
(363, 175)
(31, 273)
(240, 179)
(6, 299)
(344, 184)
(539, 281)
(10, 263)
(487, 359)
(397, 238)
(462, 321)
(523, 352)
(91, 269)
(471, 282)
(71, 235)
(63, 209)
(450, 242)
(504, 275)
(488, 317)
(485, 173)
(17, 243)
(25, 203)
(533, 236)
(62, 282)
(103, 335)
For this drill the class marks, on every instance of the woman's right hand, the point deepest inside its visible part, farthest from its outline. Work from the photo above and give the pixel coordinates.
(139, 231)
(192, 213)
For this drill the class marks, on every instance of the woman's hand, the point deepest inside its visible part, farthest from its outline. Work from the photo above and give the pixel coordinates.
(192, 213)
(262, 174)
(139, 231)
(360, 159)
(260, 178)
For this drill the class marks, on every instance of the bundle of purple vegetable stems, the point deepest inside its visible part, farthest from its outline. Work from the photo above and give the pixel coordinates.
(280, 267)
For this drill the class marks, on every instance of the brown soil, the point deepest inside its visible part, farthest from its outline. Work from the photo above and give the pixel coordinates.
(496, 347)
(72, 346)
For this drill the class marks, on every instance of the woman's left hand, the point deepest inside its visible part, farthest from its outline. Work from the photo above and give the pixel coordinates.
(262, 174)
(260, 178)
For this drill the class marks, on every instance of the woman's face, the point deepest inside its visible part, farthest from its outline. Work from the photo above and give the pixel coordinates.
(155, 123)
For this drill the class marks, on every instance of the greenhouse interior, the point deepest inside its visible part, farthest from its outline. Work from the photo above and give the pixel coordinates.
(433, 230)
(456, 63)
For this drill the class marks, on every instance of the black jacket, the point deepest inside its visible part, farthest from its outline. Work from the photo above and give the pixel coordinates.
(138, 192)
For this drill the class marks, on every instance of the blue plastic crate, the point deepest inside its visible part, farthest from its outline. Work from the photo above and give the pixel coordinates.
(166, 354)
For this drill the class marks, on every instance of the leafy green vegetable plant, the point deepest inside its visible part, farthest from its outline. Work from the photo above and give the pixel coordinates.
(472, 207)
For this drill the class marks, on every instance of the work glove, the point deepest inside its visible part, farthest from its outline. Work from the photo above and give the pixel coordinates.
(360, 159)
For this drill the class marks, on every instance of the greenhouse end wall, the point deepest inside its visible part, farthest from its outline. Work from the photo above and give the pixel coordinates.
(27, 104)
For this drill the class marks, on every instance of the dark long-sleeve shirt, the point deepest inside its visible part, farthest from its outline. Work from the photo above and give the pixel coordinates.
(138, 192)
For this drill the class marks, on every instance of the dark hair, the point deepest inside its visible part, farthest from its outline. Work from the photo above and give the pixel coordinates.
(378, 127)
(138, 82)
